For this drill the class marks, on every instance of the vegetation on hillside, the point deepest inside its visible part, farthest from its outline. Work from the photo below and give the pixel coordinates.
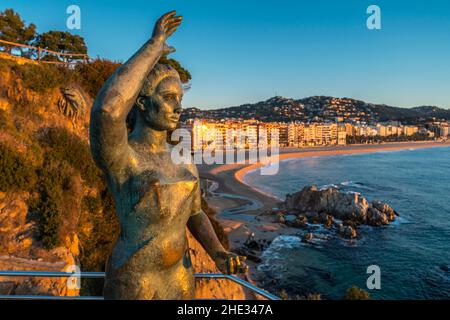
(15, 171)
(41, 78)
(90, 75)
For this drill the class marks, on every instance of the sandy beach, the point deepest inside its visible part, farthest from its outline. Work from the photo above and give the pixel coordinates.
(230, 177)
(290, 153)
(241, 208)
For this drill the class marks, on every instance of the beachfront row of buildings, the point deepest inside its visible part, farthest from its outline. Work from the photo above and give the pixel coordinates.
(252, 134)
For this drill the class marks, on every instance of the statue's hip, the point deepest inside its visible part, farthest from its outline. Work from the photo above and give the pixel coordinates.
(140, 278)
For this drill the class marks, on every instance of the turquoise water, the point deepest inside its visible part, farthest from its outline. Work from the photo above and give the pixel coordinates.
(413, 253)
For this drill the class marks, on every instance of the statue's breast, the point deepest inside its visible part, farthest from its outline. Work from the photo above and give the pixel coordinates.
(156, 206)
(164, 197)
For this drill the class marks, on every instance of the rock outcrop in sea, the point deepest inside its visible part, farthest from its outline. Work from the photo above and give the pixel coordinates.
(332, 207)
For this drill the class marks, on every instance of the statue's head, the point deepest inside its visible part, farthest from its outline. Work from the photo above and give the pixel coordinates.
(159, 100)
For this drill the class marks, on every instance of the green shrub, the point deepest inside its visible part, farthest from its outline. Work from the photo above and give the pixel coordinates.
(50, 222)
(92, 204)
(15, 172)
(54, 181)
(98, 244)
(5, 122)
(68, 147)
(185, 76)
(5, 64)
(355, 293)
(94, 74)
(42, 77)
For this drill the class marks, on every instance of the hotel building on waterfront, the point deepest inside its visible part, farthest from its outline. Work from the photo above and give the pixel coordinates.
(245, 134)
(251, 134)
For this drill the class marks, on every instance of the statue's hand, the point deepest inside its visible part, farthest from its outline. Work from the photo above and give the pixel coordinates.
(230, 263)
(166, 26)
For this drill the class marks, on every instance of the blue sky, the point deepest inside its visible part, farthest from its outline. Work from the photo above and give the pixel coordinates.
(247, 51)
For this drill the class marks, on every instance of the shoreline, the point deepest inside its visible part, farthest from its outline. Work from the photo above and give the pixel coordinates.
(239, 175)
(230, 180)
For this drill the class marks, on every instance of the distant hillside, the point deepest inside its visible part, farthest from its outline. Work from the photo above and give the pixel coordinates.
(319, 108)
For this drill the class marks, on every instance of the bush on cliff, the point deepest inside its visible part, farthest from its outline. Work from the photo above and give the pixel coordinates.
(43, 77)
(54, 182)
(16, 173)
(94, 74)
(69, 154)
(68, 147)
(99, 213)
(6, 65)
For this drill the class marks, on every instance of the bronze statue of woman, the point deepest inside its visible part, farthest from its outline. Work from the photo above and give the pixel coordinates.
(155, 199)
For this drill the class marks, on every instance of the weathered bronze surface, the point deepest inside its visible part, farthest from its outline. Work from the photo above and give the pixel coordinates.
(155, 199)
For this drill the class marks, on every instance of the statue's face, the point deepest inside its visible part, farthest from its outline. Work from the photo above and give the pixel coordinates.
(162, 110)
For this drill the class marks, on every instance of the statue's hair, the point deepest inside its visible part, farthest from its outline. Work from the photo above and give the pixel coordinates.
(155, 76)
(158, 73)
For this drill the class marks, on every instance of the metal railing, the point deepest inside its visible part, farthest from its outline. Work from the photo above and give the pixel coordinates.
(58, 274)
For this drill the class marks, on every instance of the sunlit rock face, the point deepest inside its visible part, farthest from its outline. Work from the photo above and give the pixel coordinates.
(20, 250)
(340, 205)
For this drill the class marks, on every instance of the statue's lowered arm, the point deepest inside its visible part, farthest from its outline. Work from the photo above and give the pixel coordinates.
(201, 228)
(108, 131)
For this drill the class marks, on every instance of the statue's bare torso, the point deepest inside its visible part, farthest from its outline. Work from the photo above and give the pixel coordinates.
(153, 202)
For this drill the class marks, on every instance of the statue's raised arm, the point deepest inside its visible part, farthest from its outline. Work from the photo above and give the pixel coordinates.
(155, 198)
(108, 130)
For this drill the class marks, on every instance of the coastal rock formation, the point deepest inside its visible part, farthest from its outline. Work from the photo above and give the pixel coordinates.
(380, 213)
(300, 221)
(330, 203)
(307, 237)
(347, 231)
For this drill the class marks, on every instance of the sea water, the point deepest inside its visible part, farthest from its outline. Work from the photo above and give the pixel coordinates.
(413, 253)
